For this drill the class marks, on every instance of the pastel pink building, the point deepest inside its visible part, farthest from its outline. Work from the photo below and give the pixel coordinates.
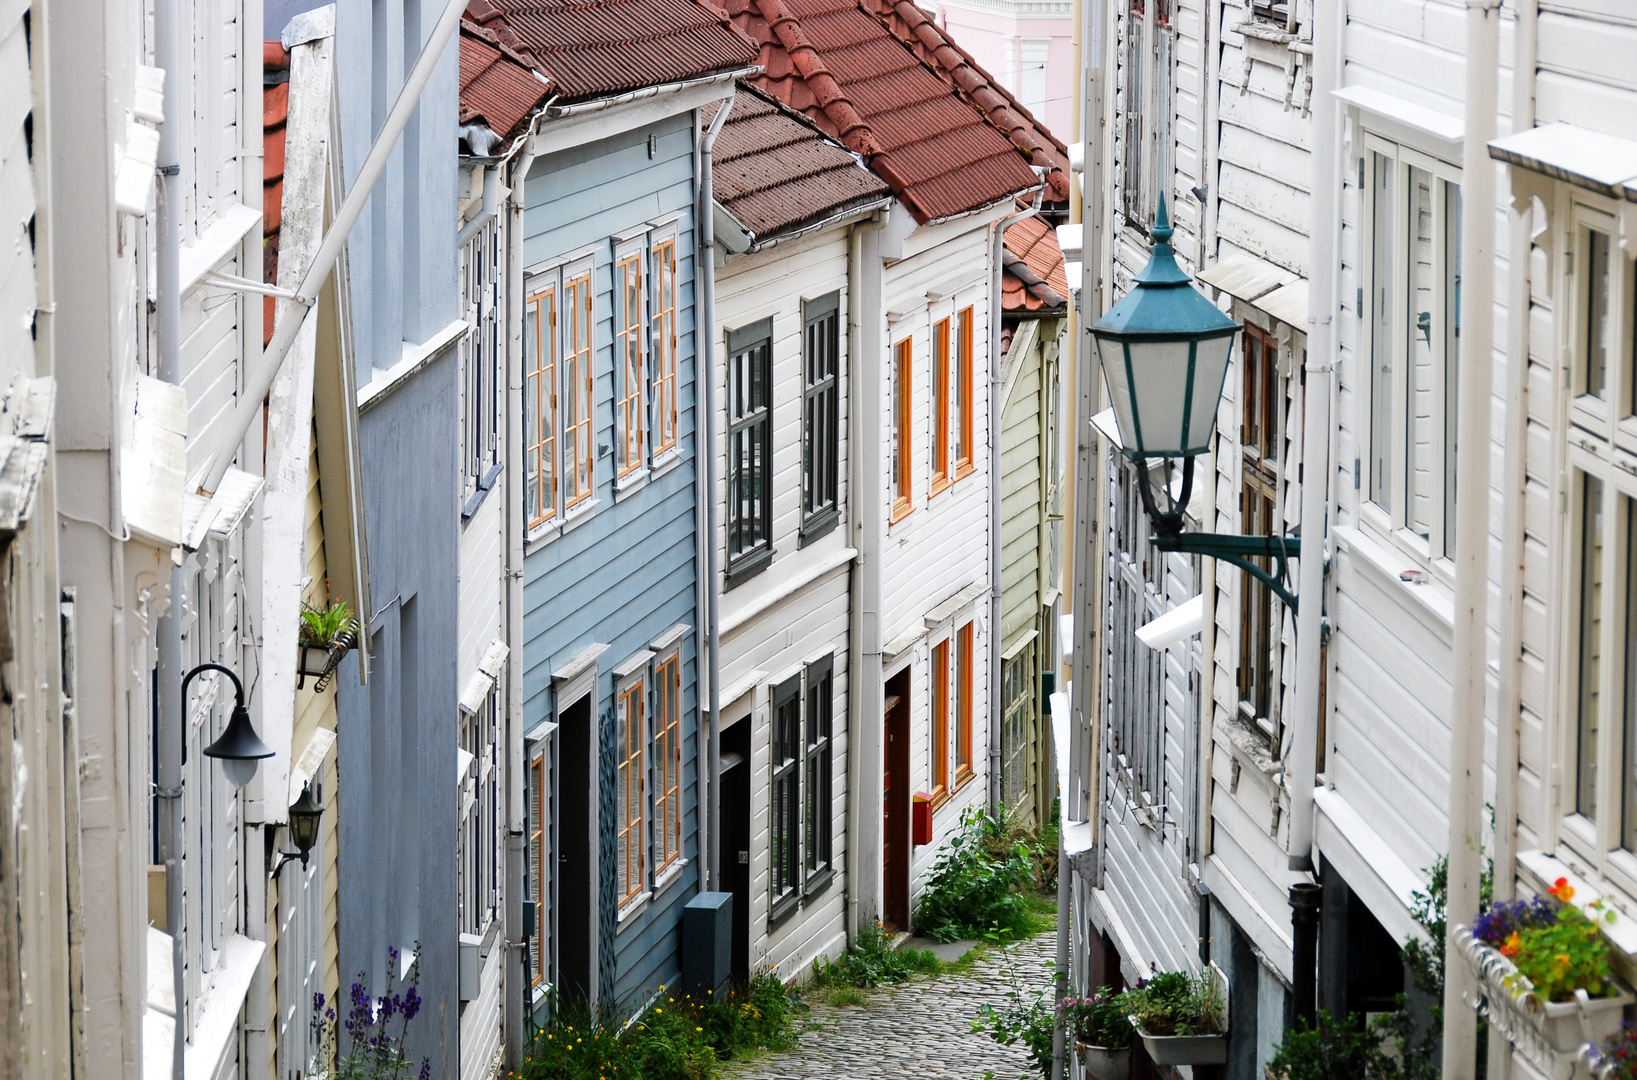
(1025, 45)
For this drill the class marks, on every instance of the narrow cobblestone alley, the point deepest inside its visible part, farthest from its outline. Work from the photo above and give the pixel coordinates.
(921, 1029)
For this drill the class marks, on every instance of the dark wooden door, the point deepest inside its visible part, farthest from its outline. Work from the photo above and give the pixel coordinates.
(576, 852)
(895, 807)
(735, 826)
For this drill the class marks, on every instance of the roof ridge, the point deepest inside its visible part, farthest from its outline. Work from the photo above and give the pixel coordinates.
(853, 130)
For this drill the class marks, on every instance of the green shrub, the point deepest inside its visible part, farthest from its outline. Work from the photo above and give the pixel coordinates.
(1388, 1047)
(1099, 1020)
(873, 962)
(977, 883)
(1175, 1003)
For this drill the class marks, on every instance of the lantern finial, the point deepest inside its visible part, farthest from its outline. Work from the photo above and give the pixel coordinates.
(1162, 268)
(1162, 224)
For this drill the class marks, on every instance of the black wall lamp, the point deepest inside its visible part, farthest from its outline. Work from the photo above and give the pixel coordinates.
(305, 814)
(238, 748)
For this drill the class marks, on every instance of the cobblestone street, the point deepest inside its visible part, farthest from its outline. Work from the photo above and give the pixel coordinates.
(921, 1029)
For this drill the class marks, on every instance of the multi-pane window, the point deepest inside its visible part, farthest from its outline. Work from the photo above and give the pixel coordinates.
(1412, 310)
(962, 692)
(940, 721)
(821, 407)
(1145, 88)
(1017, 707)
(630, 408)
(480, 390)
(538, 869)
(577, 399)
(1588, 719)
(667, 762)
(784, 822)
(942, 380)
(1260, 442)
(750, 450)
(960, 421)
(629, 785)
(478, 806)
(665, 345)
(540, 344)
(952, 712)
(902, 441)
(820, 768)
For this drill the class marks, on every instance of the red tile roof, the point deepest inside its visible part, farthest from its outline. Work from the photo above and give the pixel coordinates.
(775, 172)
(275, 110)
(595, 48)
(866, 79)
(499, 84)
(1033, 277)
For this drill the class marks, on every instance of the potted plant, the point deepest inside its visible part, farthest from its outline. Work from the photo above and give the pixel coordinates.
(325, 636)
(1543, 970)
(1180, 1018)
(1102, 1032)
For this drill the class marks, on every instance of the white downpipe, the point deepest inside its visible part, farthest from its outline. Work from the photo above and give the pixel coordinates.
(997, 386)
(1466, 758)
(292, 313)
(1320, 368)
(704, 442)
(491, 205)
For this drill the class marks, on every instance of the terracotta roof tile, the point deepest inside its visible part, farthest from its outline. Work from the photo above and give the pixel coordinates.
(498, 86)
(594, 48)
(275, 110)
(1033, 277)
(774, 171)
(854, 73)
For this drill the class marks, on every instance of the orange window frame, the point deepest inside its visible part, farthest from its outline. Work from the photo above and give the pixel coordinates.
(665, 377)
(940, 721)
(577, 465)
(668, 758)
(537, 852)
(963, 704)
(940, 406)
(540, 388)
(628, 799)
(963, 393)
(628, 352)
(903, 441)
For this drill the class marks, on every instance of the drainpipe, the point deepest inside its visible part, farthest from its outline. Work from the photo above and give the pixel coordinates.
(516, 975)
(1466, 757)
(168, 693)
(1305, 901)
(997, 385)
(864, 504)
(289, 322)
(704, 442)
(1302, 764)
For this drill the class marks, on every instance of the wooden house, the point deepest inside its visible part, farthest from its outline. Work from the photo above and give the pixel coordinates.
(612, 525)
(788, 201)
(924, 356)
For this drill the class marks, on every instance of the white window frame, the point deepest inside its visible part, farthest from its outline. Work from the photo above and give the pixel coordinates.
(481, 368)
(560, 273)
(1145, 166)
(662, 872)
(632, 673)
(661, 231)
(478, 797)
(536, 285)
(631, 247)
(1389, 523)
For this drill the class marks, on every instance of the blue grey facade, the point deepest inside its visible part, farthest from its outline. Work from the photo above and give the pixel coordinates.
(397, 741)
(623, 573)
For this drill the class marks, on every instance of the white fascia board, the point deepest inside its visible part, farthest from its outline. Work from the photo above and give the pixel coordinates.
(1394, 116)
(1369, 865)
(219, 242)
(1606, 164)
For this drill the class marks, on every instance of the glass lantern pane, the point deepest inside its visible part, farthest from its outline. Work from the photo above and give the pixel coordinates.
(1210, 369)
(1111, 355)
(1158, 373)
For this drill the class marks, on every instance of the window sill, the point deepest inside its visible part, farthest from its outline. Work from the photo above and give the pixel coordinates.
(632, 907)
(783, 908)
(964, 468)
(747, 567)
(962, 778)
(484, 486)
(563, 523)
(631, 482)
(669, 876)
(939, 797)
(819, 882)
(940, 484)
(1367, 550)
(665, 461)
(901, 510)
(818, 525)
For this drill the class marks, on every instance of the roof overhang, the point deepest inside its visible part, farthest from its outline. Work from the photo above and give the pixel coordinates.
(1606, 164)
(579, 122)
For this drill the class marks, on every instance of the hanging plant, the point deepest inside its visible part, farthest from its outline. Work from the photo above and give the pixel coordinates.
(325, 634)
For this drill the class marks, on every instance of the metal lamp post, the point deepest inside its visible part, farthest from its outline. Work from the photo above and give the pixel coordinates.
(1164, 351)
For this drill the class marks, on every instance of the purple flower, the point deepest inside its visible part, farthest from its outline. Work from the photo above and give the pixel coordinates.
(1507, 917)
(426, 1069)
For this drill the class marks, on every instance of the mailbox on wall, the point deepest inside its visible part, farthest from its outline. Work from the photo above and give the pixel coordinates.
(922, 820)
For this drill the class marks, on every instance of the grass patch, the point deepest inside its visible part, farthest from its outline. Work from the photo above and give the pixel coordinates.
(873, 962)
(677, 1038)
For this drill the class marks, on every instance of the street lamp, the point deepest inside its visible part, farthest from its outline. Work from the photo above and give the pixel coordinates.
(1164, 350)
(305, 813)
(238, 748)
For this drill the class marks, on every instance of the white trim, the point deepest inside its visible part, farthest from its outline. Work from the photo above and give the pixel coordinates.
(414, 358)
(1372, 869)
(563, 263)
(955, 606)
(219, 243)
(1606, 164)
(1403, 119)
(633, 665)
(788, 588)
(670, 637)
(732, 692)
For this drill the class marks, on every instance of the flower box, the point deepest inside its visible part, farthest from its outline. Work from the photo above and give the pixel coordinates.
(1548, 1034)
(319, 661)
(1185, 1049)
(1105, 1064)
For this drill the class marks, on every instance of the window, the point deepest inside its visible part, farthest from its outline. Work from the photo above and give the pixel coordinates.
(577, 392)
(478, 821)
(940, 721)
(540, 344)
(961, 421)
(630, 410)
(629, 739)
(820, 770)
(1589, 646)
(902, 455)
(784, 821)
(941, 407)
(1413, 322)
(963, 704)
(480, 389)
(1018, 715)
(1145, 88)
(1134, 675)
(667, 762)
(1261, 442)
(665, 345)
(750, 451)
(821, 407)
(538, 870)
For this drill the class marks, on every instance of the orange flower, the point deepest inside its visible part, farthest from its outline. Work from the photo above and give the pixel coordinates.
(1509, 947)
(1562, 889)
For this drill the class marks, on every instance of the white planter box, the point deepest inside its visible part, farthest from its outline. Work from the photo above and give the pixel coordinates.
(1549, 1035)
(1186, 1049)
(1105, 1064)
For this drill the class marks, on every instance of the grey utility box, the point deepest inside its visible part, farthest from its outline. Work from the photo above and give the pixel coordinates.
(707, 943)
(471, 966)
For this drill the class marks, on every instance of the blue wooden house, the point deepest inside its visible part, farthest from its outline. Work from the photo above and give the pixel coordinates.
(614, 749)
